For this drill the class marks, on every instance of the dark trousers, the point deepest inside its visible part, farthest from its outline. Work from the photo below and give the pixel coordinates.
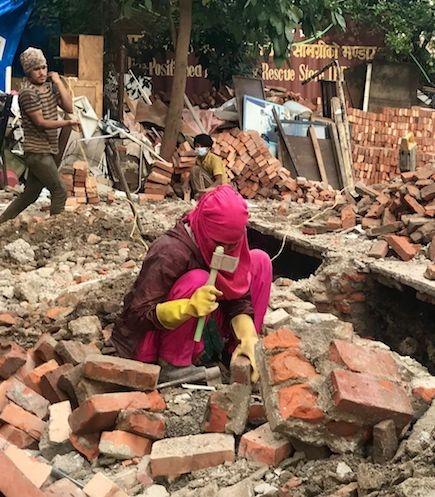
(42, 173)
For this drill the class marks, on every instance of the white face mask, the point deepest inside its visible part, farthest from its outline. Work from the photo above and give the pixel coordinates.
(202, 151)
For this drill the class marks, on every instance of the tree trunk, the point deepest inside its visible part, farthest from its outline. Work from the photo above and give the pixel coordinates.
(173, 119)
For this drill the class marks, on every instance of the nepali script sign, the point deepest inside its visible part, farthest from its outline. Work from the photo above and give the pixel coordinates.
(306, 59)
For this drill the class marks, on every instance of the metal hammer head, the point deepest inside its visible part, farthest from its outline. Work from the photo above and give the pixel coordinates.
(222, 262)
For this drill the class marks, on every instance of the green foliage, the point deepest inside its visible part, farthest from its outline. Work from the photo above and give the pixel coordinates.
(408, 26)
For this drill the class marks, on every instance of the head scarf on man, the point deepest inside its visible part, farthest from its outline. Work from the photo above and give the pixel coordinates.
(220, 218)
(31, 58)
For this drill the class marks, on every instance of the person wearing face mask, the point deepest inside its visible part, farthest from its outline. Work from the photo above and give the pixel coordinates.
(210, 170)
(160, 314)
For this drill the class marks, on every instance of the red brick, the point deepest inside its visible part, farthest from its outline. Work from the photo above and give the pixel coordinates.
(257, 413)
(23, 420)
(176, 456)
(44, 348)
(286, 365)
(299, 401)
(260, 445)
(364, 359)
(133, 374)
(379, 249)
(403, 248)
(18, 437)
(12, 357)
(240, 370)
(49, 384)
(100, 411)
(7, 319)
(282, 339)
(33, 379)
(428, 192)
(36, 471)
(27, 398)
(87, 445)
(348, 217)
(146, 424)
(101, 486)
(369, 398)
(63, 488)
(287, 490)
(123, 445)
(343, 428)
(426, 394)
(13, 483)
(414, 205)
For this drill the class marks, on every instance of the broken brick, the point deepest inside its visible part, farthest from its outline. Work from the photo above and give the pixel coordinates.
(385, 441)
(49, 384)
(36, 471)
(123, 445)
(282, 339)
(240, 370)
(7, 319)
(13, 482)
(286, 365)
(17, 437)
(379, 249)
(176, 456)
(100, 411)
(120, 371)
(403, 248)
(299, 401)
(87, 444)
(12, 357)
(101, 486)
(364, 359)
(227, 409)
(27, 398)
(140, 422)
(73, 352)
(33, 379)
(23, 420)
(348, 217)
(58, 427)
(63, 488)
(44, 349)
(264, 447)
(371, 398)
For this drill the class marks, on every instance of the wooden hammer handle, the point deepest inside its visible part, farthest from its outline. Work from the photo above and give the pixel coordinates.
(201, 321)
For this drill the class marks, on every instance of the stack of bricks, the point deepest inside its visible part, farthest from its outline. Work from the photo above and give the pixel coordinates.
(253, 170)
(81, 188)
(376, 140)
(157, 182)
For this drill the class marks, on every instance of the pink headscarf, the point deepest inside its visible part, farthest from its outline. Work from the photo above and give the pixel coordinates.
(221, 217)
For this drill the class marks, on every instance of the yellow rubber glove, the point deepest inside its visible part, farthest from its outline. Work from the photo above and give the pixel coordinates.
(245, 331)
(173, 313)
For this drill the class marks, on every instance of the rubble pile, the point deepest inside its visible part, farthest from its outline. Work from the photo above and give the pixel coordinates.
(254, 171)
(157, 182)
(376, 139)
(400, 215)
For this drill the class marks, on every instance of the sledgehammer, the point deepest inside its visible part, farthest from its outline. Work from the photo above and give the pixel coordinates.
(219, 262)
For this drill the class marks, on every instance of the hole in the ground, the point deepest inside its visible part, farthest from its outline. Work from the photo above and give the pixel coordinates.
(290, 264)
(403, 322)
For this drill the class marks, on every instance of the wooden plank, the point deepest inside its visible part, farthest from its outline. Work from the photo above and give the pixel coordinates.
(318, 153)
(292, 164)
(69, 47)
(346, 172)
(93, 90)
(91, 57)
(339, 166)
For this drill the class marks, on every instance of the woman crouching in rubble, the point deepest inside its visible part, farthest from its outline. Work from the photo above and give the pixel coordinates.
(161, 311)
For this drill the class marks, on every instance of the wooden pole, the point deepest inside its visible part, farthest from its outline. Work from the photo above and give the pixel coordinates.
(347, 165)
(318, 154)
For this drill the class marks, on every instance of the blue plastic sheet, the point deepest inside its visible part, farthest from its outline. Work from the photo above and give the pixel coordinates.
(14, 15)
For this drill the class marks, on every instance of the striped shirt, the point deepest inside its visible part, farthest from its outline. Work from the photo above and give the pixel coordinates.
(33, 98)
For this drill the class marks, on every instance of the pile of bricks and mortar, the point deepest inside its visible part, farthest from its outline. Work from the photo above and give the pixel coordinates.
(376, 140)
(80, 186)
(322, 386)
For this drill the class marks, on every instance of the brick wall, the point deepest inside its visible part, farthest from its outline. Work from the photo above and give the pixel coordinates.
(376, 140)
